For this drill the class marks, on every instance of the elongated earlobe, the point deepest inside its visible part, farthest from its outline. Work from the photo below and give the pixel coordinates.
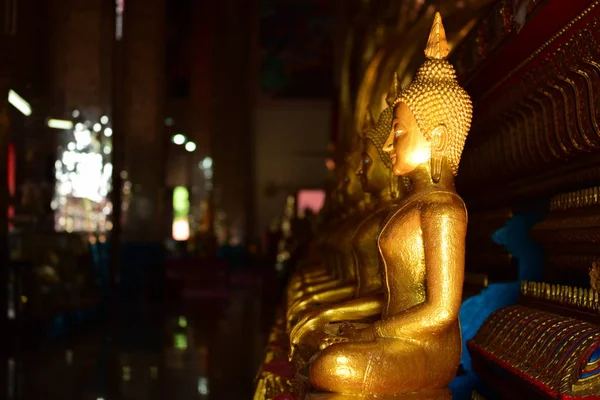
(439, 142)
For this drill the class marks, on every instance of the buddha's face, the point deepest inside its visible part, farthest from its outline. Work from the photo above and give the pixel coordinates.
(406, 145)
(373, 175)
(353, 190)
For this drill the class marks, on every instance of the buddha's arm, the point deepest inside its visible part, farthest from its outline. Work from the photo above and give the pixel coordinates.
(339, 293)
(327, 284)
(351, 310)
(296, 294)
(333, 294)
(303, 281)
(298, 285)
(444, 229)
(314, 272)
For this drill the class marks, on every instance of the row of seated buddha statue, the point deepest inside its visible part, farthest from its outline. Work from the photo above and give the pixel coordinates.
(378, 315)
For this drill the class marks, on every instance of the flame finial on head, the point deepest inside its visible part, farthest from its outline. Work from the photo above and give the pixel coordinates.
(393, 91)
(436, 99)
(437, 46)
(369, 122)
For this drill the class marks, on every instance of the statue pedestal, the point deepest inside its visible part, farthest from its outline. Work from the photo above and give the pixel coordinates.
(280, 379)
(436, 394)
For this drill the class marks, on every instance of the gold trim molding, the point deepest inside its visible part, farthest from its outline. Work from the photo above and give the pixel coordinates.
(578, 199)
(585, 299)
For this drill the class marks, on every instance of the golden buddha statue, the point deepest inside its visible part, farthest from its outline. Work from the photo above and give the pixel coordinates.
(341, 282)
(416, 345)
(309, 274)
(387, 189)
(313, 273)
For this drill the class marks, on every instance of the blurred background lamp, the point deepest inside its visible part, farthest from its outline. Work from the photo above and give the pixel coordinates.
(179, 139)
(190, 146)
(60, 124)
(19, 103)
(207, 163)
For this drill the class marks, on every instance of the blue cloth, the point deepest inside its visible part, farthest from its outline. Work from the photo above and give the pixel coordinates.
(514, 236)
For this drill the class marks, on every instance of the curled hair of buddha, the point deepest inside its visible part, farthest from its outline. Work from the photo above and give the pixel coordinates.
(380, 131)
(379, 134)
(437, 100)
(352, 156)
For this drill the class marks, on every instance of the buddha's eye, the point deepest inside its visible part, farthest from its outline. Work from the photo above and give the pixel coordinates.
(366, 161)
(398, 132)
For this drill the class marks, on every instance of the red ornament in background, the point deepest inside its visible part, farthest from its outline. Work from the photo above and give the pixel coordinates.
(285, 396)
(12, 181)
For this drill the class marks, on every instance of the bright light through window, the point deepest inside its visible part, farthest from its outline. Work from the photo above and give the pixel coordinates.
(181, 211)
(181, 342)
(83, 180)
(310, 199)
(181, 230)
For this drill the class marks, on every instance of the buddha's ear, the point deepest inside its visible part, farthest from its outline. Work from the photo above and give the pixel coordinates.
(439, 144)
(439, 139)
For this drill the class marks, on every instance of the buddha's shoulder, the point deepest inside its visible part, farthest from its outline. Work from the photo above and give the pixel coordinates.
(432, 204)
(442, 198)
(443, 204)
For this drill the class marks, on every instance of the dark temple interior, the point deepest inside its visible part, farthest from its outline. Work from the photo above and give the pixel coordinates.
(179, 199)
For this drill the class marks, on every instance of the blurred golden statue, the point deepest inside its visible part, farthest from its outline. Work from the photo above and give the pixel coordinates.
(416, 345)
(595, 276)
(341, 282)
(387, 189)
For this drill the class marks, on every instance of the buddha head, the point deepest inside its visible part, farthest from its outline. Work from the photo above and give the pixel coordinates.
(375, 166)
(353, 189)
(431, 116)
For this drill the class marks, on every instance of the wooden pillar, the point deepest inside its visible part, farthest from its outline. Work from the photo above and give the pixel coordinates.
(233, 89)
(8, 30)
(145, 138)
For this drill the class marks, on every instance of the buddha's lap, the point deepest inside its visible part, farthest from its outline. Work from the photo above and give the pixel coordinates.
(381, 366)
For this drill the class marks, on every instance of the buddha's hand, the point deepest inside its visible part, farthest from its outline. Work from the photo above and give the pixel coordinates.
(294, 295)
(352, 333)
(329, 340)
(347, 329)
(309, 322)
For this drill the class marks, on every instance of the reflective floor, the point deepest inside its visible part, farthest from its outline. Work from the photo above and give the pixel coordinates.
(201, 348)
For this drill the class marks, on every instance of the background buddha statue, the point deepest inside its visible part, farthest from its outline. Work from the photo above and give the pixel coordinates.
(312, 273)
(416, 344)
(342, 282)
(377, 178)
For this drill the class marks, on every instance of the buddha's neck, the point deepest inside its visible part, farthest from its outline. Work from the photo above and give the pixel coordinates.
(385, 197)
(362, 205)
(351, 209)
(421, 178)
